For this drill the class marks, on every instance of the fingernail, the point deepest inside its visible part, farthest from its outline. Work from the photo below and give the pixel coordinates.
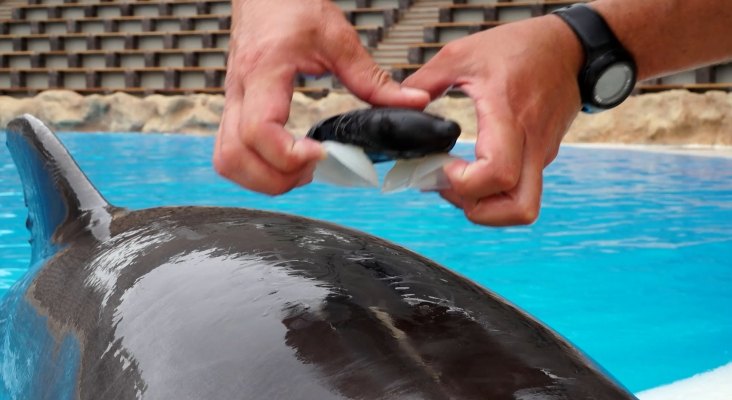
(414, 93)
(305, 149)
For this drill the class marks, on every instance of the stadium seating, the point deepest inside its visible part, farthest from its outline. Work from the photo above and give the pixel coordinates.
(150, 46)
(499, 11)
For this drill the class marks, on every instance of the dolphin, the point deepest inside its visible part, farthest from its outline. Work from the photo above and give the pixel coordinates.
(221, 303)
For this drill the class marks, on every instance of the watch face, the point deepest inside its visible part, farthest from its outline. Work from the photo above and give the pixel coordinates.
(614, 84)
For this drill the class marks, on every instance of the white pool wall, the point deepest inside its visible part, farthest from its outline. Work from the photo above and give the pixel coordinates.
(712, 385)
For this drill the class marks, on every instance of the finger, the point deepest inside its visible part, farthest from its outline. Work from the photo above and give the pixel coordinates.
(361, 75)
(240, 164)
(452, 197)
(307, 176)
(436, 76)
(229, 122)
(265, 110)
(498, 150)
(519, 206)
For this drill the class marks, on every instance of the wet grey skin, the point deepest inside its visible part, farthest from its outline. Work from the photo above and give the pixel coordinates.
(183, 303)
(387, 134)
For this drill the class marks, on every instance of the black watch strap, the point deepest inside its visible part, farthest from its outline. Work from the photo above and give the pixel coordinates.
(602, 50)
(594, 33)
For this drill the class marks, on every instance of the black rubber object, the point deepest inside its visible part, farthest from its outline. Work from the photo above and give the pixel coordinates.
(387, 134)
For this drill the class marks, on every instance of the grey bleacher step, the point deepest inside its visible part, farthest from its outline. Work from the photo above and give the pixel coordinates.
(390, 57)
(420, 6)
(404, 34)
(391, 61)
(415, 29)
(406, 41)
(419, 24)
(406, 28)
(392, 46)
(420, 18)
(400, 26)
(416, 13)
(424, 11)
(400, 39)
(389, 53)
(417, 20)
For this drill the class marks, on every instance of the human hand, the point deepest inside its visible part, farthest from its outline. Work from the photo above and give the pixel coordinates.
(522, 78)
(271, 41)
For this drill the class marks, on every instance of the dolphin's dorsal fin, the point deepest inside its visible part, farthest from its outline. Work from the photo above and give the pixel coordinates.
(62, 202)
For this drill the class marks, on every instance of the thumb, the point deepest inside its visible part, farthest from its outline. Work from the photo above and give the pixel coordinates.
(354, 66)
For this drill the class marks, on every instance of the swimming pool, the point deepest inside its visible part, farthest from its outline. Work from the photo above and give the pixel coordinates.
(630, 259)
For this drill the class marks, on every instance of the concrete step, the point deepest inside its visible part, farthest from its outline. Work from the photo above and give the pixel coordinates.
(413, 29)
(391, 61)
(422, 10)
(403, 34)
(417, 24)
(389, 54)
(6, 7)
(419, 17)
(403, 40)
(400, 27)
(435, 4)
(392, 46)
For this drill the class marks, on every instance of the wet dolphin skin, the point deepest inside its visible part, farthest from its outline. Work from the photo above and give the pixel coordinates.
(220, 303)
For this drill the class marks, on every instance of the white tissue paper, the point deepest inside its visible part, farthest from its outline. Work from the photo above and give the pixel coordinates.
(425, 173)
(348, 166)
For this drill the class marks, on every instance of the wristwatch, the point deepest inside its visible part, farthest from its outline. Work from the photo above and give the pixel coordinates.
(609, 73)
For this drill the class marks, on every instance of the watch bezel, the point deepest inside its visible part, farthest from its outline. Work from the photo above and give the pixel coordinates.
(602, 50)
(592, 72)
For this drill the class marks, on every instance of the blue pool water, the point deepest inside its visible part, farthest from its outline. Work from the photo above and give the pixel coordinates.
(631, 258)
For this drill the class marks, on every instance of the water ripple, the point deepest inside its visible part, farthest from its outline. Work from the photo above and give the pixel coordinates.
(630, 258)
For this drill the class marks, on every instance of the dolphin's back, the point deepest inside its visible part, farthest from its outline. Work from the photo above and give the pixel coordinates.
(216, 303)
(192, 303)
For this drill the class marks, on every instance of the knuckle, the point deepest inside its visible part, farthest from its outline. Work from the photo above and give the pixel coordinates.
(450, 50)
(498, 177)
(283, 187)
(507, 178)
(242, 61)
(478, 218)
(277, 186)
(249, 129)
(379, 76)
(225, 163)
(527, 212)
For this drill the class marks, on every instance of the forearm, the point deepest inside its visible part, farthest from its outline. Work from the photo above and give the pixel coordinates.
(667, 36)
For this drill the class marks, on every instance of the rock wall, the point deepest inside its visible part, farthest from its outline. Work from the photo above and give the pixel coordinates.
(673, 117)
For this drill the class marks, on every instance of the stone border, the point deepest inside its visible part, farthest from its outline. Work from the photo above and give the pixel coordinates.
(675, 117)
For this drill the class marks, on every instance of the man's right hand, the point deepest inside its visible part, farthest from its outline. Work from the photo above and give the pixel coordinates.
(522, 78)
(271, 41)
